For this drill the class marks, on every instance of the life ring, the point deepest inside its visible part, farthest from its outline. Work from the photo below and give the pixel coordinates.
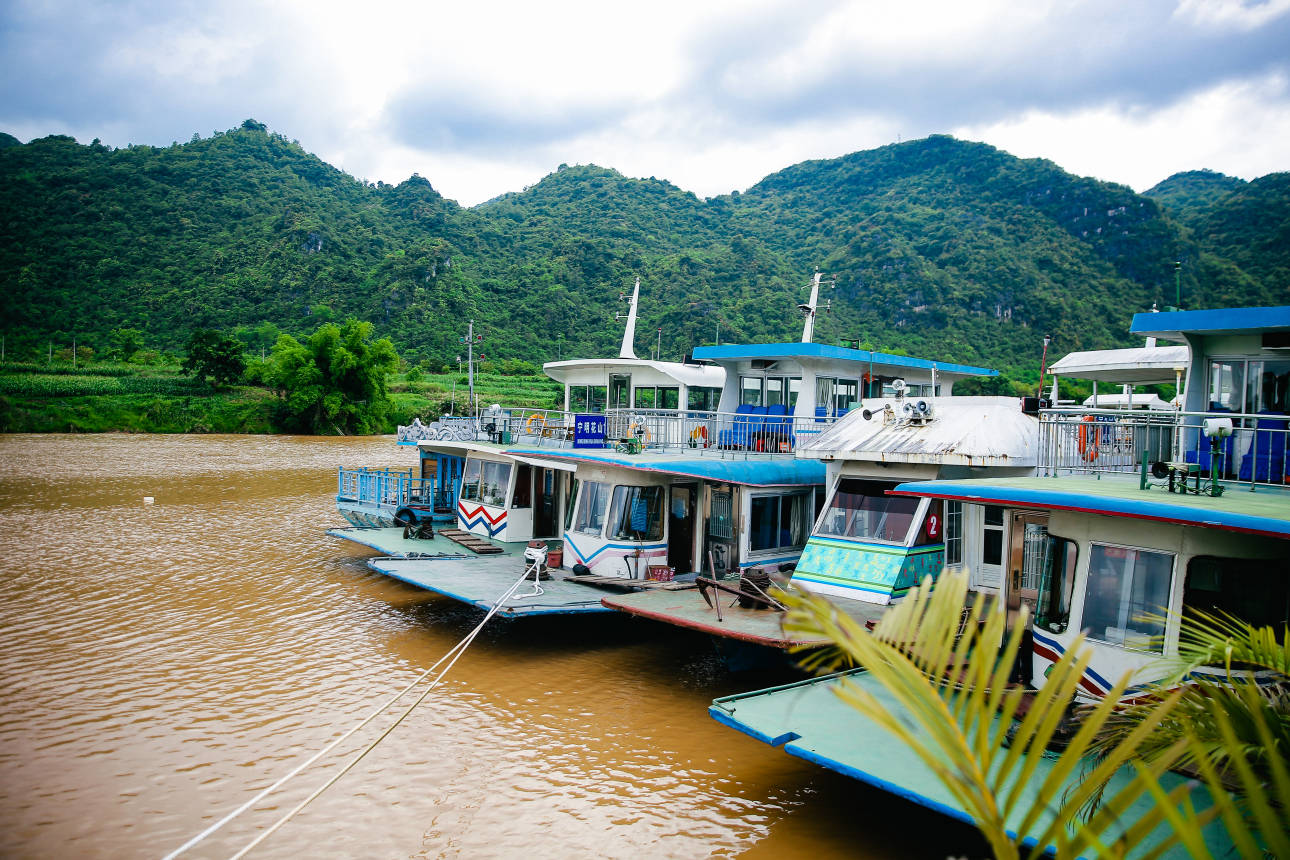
(640, 430)
(1087, 446)
(699, 434)
(536, 419)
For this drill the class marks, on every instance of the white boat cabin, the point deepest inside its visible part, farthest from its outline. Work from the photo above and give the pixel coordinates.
(871, 546)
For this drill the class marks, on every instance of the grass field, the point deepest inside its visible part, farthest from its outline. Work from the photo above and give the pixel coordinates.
(131, 399)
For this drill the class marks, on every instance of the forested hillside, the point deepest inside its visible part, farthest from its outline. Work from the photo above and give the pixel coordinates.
(939, 247)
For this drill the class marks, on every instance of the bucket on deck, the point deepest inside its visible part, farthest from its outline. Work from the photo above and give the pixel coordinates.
(555, 557)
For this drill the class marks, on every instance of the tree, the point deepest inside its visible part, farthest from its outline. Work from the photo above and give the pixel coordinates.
(214, 357)
(954, 720)
(335, 382)
(126, 342)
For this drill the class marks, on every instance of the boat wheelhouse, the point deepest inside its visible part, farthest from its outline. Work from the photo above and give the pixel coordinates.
(866, 547)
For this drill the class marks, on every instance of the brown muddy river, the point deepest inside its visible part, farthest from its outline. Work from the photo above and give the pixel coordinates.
(161, 664)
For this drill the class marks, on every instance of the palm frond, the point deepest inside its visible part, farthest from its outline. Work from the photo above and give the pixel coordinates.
(945, 661)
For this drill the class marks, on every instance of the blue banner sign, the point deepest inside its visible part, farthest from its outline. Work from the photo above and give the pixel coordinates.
(589, 431)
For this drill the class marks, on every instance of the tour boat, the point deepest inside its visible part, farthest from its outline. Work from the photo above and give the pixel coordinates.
(642, 497)
(1133, 518)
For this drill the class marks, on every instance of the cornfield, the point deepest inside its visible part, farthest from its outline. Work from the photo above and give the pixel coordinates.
(45, 385)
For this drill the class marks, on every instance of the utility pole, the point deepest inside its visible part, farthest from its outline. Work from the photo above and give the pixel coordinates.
(470, 340)
(1043, 364)
(1178, 284)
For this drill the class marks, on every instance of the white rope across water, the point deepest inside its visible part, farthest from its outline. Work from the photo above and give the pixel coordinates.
(451, 657)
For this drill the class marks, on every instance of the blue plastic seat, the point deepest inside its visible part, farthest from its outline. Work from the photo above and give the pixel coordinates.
(738, 435)
(778, 427)
(1266, 457)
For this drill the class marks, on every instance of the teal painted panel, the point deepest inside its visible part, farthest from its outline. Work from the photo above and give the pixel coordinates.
(852, 563)
(918, 566)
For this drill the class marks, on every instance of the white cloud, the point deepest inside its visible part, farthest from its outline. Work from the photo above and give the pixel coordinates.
(1239, 129)
(487, 97)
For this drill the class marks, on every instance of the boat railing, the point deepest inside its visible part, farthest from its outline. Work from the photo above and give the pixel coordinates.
(1117, 440)
(743, 432)
(387, 488)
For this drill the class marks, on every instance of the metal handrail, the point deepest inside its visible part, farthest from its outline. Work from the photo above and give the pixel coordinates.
(1074, 439)
(661, 429)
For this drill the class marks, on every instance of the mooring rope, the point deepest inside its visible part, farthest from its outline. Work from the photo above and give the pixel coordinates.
(454, 653)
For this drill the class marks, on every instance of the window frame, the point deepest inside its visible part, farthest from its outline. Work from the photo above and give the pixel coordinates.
(1157, 637)
(781, 498)
(592, 493)
(617, 519)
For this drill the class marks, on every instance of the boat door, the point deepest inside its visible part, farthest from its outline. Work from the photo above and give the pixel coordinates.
(620, 391)
(987, 573)
(680, 527)
(1029, 552)
(1027, 558)
(546, 503)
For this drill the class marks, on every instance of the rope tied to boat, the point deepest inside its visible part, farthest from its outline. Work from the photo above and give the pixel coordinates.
(451, 657)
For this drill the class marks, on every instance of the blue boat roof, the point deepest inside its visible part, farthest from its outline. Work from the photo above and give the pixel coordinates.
(753, 472)
(733, 352)
(1173, 325)
(1266, 512)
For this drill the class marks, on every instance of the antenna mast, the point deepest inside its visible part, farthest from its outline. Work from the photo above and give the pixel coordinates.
(809, 309)
(629, 333)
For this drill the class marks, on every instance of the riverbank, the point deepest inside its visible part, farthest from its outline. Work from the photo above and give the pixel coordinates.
(124, 398)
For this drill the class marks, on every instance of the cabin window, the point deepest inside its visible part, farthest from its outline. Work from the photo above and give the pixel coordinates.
(1124, 584)
(1256, 591)
(591, 510)
(636, 514)
(824, 394)
(485, 481)
(1265, 386)
(859, 509)
(702, 398)
(846, 396)
(992, 536)
(569, 503)
(1056, 584)
(493, 481)
(644, 398)
(1237, 385)
(750, 391)
(953, 533)
(779, 522)
(794, 389)
(775, 391)
(586, 398)
(669, 398)
(523, 495)
(470, 481)
(932, 531)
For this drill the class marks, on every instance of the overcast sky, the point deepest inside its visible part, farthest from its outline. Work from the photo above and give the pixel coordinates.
(482, 98)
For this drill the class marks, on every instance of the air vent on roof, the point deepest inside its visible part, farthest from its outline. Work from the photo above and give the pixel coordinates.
(763, 364)
(1276, 340)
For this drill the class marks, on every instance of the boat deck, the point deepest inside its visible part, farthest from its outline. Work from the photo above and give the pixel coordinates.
(757, 626)
(481, 580)
(811, 722)
(390, 541)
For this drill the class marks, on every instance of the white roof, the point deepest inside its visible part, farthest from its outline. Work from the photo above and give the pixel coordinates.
(685, 374)
(963, 431)
(1135, 401)
(1143, 365)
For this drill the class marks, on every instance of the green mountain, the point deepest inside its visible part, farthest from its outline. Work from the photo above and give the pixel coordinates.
(938, 247)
